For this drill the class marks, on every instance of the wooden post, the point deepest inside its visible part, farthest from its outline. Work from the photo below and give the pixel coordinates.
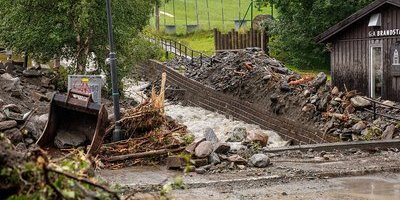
(262, 41)
(216, 39)
(242, 41)
(234, 39)
(248, 38)
(220, 40)
(230, 40)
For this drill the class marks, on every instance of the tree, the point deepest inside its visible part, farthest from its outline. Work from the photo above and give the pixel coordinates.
(300, 21)
(72, 29)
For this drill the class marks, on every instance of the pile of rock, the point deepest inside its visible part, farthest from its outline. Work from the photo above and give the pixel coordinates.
(344, 114)
(208, 153)
(22, 108)
(253, 76)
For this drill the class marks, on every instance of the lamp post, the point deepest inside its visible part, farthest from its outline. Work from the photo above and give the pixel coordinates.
(117, 135)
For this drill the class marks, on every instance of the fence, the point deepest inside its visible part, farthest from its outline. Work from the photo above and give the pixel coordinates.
(183, 15)
(374, 111)
(229, 106)
(236, 40)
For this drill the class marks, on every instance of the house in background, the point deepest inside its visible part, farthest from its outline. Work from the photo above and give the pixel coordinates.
(365, 50)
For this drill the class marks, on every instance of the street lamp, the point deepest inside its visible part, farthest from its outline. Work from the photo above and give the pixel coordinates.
(117, 135)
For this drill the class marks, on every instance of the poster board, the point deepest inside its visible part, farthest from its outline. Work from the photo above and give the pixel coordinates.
(88, 84)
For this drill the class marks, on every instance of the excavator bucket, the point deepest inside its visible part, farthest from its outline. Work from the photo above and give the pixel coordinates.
(75, 120)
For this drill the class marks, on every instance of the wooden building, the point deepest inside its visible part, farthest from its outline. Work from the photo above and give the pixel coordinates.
(365, 50)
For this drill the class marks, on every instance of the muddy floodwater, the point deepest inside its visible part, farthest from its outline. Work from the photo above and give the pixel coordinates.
(352, 188)
(376, 188)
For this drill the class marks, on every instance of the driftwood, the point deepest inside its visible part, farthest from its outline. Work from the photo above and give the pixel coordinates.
(301, 81)
(339, 116)
(144, 154)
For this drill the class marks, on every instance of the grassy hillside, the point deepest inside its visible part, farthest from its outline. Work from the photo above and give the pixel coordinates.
(231, 8)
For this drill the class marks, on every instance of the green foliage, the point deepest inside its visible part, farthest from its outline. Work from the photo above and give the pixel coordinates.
(61, 81)
(73, 29)
(188, 138)
(299, 22)
(372, 133)
(169, 187)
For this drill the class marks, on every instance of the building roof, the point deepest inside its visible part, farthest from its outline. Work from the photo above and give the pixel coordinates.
(354, 18)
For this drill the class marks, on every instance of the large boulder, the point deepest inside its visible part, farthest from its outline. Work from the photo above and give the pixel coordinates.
(237, 135)
(204, 149)
(210, 135)
(388, 133)
(4, 125)
(359, 102)
(192, 147)
(259, 160)
(259, 138)
(319, 80)
(67, 140)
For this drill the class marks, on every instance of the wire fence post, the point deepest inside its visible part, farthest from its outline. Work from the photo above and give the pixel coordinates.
(173, 8)
(186, 20)
(208, 15)
(223, 17)
(197, 12)
(251, 14)
(240, 10)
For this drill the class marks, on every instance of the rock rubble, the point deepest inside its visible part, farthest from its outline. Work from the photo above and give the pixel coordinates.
(253, 76)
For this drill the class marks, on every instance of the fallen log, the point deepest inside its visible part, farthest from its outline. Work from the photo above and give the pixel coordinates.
(143, 154)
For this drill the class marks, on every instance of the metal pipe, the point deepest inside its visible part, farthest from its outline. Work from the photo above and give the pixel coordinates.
(117, 134)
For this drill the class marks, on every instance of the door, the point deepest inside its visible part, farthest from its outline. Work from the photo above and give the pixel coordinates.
(376, 70)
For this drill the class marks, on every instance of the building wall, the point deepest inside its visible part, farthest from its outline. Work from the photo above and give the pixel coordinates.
(350, 55)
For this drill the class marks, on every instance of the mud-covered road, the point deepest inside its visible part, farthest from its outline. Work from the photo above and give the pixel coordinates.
(349, 174)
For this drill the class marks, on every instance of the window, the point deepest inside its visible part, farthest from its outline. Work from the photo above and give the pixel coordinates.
(375, 20)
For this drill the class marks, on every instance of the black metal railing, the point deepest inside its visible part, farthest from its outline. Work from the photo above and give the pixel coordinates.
(177, 48)
(375, 103)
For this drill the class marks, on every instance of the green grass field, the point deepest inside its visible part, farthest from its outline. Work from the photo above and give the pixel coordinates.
(231, 8)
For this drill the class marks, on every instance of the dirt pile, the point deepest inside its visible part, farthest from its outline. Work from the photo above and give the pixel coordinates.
(24, 100)
(253, 76)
